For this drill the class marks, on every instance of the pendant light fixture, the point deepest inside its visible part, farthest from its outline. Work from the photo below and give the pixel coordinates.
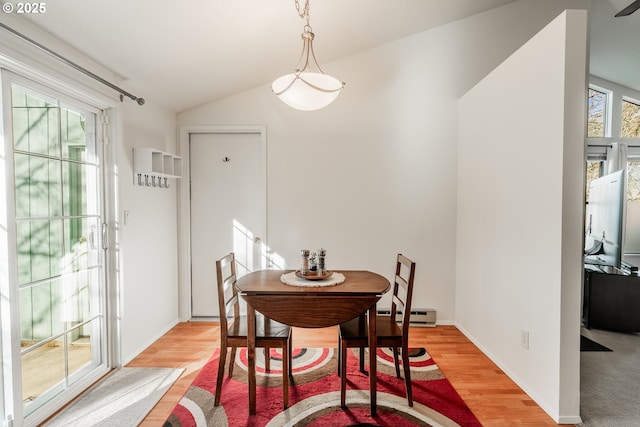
(308, 88)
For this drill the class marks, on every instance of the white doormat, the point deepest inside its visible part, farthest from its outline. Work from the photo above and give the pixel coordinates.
(123, 398)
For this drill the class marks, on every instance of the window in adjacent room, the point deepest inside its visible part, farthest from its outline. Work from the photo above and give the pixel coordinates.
(594, 170)
(598, 111)
(632, 234)
(630, 119)
(599, 122)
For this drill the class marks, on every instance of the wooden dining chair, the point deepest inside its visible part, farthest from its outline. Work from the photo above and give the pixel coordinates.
(354, 333)
(233, 329)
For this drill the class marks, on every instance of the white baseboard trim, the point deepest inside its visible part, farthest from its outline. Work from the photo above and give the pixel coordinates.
(128, 358)
(567, 419)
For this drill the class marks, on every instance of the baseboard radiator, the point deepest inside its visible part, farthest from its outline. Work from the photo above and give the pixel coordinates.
(418, 316)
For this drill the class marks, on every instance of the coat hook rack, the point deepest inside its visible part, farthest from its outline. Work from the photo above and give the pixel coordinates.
(153, 181)
(154, 168)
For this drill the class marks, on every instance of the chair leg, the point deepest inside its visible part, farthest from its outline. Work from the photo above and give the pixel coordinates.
(343, 377)
(395, 361)
(290, 356)
(232, 361)
(221, 362)
(285, 374)
(407, 375)
(362, 360)
(339, 355)
(267, 359)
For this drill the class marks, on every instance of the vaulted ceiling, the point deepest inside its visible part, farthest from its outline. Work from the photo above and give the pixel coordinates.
(185, 53)
(182, 54)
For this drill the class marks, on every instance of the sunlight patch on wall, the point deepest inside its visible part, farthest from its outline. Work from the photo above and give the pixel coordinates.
(252, 253)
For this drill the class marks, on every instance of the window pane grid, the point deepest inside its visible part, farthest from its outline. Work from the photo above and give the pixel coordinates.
(37, 123)
(58, 224)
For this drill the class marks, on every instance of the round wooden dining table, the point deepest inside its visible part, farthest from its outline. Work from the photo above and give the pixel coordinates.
(311, 307)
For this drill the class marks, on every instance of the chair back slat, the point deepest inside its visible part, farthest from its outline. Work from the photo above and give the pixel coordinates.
(230, 306)
(236, 335)
(403, 291)
(398, 302)
(227, 293)
(390, 333)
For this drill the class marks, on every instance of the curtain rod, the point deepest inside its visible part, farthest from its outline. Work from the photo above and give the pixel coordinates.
(72, 64)
(609, 145)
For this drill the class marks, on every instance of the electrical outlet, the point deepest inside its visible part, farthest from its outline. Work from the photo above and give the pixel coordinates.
(524, 339)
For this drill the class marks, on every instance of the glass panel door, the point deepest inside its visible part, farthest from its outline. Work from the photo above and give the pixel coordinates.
(59, 255)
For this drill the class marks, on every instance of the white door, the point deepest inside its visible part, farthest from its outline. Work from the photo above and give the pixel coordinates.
(228, 210)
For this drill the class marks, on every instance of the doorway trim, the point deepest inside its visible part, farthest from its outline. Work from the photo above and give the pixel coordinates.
(184, 203)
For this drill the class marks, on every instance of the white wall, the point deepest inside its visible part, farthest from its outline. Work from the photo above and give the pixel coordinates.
(383, 156)
(149, 246)
(364, 177)
(520, 186)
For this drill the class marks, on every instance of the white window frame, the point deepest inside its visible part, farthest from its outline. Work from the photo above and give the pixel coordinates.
(42, 75)
(608, 109)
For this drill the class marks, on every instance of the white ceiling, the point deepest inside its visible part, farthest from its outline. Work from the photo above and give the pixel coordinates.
(615, 43)
(182, 54)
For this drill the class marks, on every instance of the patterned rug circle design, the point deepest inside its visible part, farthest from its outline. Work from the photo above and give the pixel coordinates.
(308, 364)
(314, 395)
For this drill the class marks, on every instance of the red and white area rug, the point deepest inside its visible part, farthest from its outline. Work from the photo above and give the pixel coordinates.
(314, 395)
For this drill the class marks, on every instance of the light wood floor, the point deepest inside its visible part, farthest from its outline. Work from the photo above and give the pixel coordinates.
(489, 393)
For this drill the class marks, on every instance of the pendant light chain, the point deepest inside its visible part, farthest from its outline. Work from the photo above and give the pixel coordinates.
(305, 10)
(307, 37)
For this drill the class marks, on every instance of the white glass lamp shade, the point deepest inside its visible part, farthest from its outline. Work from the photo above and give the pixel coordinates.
(307, 91)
